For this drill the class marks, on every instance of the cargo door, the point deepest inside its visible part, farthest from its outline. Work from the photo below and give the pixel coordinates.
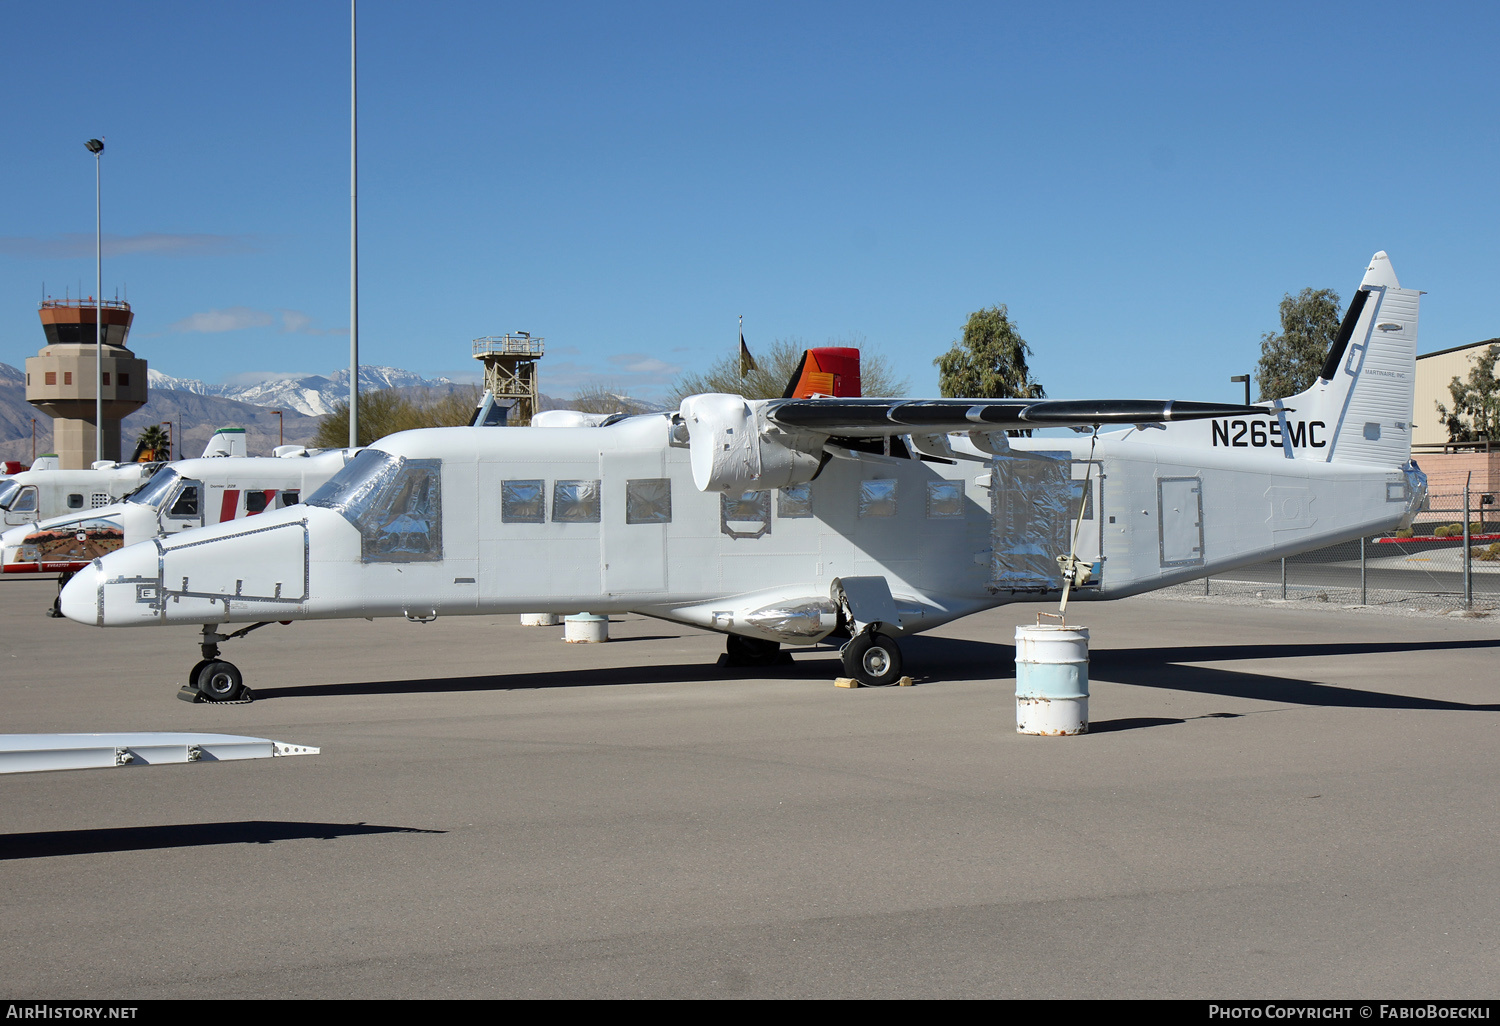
(635, 513)
(1180, 523)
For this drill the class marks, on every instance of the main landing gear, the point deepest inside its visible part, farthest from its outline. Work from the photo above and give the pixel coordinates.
(214, 680)
(873, 658)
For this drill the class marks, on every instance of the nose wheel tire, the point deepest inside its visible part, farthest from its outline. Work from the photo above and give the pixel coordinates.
(873, 659)
(218, 681)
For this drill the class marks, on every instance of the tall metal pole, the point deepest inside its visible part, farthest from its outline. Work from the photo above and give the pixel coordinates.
(353, 240)
(1468, 563)
(98, 310)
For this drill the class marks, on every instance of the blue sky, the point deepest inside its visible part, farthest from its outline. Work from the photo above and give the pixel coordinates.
(1140, 184)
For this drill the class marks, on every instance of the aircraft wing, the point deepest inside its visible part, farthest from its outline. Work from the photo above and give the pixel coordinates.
(33, 753)
(876, 417)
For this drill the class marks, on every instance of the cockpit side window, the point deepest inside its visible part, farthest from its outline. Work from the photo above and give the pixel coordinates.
(186, 503)
(395, 503)
(25, 500)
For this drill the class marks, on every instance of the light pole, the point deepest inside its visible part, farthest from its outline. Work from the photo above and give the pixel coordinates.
(96, 147)
(168, 425)
(1246, 379)
(280, 428)
(353, 239)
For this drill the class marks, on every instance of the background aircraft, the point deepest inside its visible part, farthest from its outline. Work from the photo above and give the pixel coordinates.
(795, 521)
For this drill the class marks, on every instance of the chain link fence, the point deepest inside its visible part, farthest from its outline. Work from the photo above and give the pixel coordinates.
(1432, 567)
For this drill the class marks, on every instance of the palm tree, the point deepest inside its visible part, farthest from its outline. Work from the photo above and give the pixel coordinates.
(152, 445)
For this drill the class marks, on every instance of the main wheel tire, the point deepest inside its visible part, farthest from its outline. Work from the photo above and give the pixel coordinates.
(873, 659)
(750, 651)
(220, 682)
(196, 670)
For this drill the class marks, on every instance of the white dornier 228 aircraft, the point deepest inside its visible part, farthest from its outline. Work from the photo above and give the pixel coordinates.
(793, 521)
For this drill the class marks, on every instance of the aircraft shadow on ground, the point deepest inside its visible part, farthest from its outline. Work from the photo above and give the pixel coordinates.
(951, 659)
(184, 835)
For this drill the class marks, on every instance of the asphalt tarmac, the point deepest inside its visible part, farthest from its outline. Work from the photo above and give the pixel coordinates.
(1274, 802)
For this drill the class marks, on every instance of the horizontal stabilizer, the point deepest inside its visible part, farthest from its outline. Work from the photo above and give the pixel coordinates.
(875, 417)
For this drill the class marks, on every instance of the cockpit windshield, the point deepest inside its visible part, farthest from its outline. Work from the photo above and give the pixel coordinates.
(354, 487)
(155, 491)
(8, 491)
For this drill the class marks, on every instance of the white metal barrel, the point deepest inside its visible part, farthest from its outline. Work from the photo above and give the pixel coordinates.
(585, 628)
(540, 619)
(1052, 679)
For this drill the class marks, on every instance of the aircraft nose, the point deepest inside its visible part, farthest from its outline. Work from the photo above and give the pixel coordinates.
(80, 596)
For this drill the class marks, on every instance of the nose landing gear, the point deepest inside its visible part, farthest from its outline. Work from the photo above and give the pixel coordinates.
(214, 680)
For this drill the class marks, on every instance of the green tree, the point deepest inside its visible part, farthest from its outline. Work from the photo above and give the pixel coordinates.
(1476, 402)
(774, 366)
(1290, 361)
(989, 362)
(384, 412)
(152, 444)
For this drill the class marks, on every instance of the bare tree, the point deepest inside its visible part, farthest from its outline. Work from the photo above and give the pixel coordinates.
(774, 366)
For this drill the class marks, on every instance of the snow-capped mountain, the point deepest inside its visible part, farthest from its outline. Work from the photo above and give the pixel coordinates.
(313, 395)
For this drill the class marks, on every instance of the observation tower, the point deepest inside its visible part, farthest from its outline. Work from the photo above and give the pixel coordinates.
(510, 372)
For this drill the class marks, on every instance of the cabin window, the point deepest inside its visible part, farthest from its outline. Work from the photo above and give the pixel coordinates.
(575, 502)
(290, 498)
(648, 501)
(186, 504)
(75, 500)
(945, 500)
(877, 498)
(795, 501)
(255, 502)
(523, 502)
(745, 515)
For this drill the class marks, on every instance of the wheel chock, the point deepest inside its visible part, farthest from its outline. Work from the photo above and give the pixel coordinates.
(850, 682)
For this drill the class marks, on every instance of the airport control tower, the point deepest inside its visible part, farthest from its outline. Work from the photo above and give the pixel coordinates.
(510, 372)
(60, 379)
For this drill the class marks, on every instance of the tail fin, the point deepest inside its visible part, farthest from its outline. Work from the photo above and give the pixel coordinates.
(825, 371)
(227, 442)
(1364, 395)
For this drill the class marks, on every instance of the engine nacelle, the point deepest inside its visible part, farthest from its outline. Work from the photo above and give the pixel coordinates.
(734, 449)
